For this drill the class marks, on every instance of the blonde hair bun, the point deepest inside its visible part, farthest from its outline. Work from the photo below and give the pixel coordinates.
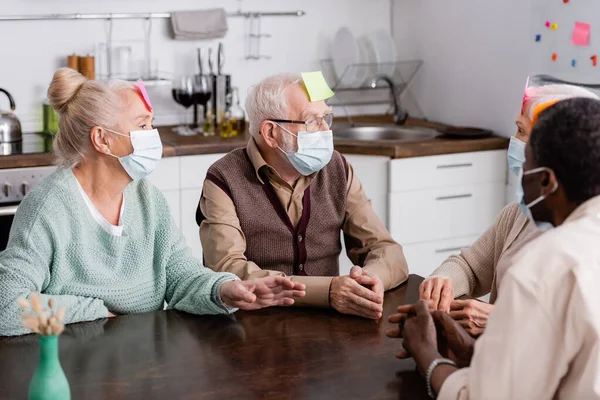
(65, 85)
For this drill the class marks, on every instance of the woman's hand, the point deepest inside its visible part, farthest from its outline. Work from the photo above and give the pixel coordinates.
(471, 315)
(261, 293)
(438, 292)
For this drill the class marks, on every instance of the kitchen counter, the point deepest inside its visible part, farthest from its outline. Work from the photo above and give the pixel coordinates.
(414, 148)
(175, 145)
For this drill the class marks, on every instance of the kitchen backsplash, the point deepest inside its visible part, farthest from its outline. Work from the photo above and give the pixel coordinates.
(33, 50)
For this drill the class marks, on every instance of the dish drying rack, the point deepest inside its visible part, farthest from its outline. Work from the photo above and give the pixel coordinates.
(149, 77)
(371, 90)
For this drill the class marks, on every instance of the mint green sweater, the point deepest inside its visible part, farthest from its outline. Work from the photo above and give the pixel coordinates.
(57, 248)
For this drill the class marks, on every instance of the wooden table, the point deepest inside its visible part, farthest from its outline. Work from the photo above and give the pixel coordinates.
(277, 353)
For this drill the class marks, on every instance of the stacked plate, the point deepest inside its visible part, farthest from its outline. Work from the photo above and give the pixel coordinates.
(358, 61)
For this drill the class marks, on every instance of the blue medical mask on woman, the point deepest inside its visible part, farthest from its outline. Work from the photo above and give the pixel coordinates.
(147, 152)
(516, 155)
(314, 151)
(526, 208)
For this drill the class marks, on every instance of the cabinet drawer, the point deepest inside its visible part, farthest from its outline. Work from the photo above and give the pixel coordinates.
(194, 169)
(447, 170)
(444, 213)
(424, 258)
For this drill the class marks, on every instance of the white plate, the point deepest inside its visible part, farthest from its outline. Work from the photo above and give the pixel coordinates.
(368, 57)
(345, 52)
(385, 51)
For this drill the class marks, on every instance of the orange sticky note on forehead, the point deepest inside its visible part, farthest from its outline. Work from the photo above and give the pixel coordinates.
(144, 94)
(540, 108)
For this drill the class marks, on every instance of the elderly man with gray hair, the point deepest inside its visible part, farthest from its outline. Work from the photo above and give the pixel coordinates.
(278, 206)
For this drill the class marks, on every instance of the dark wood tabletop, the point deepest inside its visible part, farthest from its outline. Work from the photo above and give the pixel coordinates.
(276, 353)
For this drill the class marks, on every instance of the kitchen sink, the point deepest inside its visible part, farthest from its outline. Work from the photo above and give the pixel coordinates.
(384, 133)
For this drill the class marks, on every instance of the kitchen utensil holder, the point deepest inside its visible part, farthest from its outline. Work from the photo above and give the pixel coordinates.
(371, 92)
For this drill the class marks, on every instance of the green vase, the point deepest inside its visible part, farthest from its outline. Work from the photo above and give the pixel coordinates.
(49, 381)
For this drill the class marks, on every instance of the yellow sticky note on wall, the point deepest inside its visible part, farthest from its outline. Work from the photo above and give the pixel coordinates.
(317, 87)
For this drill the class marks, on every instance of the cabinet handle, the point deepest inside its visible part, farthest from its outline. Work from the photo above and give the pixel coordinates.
(458, 196)
(445, 166)
(450, 250)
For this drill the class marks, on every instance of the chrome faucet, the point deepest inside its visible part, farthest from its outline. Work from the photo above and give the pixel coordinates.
(400, 114)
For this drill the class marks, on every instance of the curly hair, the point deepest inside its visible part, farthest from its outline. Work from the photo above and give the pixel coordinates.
(566, 139)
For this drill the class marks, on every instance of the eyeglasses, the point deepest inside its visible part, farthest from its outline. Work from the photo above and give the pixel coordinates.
(314, 124)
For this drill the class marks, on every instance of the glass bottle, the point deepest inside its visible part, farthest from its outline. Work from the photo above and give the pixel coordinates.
(237, 115)
(209, 121)
(225, 128)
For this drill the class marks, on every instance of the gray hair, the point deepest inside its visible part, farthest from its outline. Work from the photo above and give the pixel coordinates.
(267, 100)
(82, 104)
(538, 95)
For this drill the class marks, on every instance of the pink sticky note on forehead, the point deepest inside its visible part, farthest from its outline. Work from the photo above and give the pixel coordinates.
(144, 93)
(525, 97)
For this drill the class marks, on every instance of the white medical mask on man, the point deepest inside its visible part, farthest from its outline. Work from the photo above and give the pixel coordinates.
(147, 152)
(526, 208)
(314, 151)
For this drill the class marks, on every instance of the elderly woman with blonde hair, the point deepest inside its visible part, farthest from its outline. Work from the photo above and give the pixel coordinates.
(478, 270)
(97, 237)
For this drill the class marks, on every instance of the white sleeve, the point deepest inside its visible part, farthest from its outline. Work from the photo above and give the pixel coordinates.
(518, 356)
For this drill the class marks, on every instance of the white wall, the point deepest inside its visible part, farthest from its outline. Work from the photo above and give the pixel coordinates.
(32, 51)
(476, 58)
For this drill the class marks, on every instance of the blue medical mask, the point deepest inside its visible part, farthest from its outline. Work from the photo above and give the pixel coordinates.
(516, 155)
(526, 208)
(314, 151)
(147, 152)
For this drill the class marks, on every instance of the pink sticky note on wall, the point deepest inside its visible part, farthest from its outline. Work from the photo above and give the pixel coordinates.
(144, 94)
(581, 34)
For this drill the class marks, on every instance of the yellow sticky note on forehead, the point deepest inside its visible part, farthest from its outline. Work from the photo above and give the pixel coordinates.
(316, 86)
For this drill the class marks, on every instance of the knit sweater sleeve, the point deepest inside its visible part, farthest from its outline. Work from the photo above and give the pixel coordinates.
(472, 271)
(25, 267)
(191, 287)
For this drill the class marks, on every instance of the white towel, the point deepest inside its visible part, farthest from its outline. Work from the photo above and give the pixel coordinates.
(199, 24)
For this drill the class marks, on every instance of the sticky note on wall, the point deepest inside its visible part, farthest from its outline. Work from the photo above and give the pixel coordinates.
(316, 86)
(581, 34)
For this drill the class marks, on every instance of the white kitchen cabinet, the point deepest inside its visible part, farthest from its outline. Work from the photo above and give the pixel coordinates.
(410, 174)
(372, 172)
(193, 173)
(194, 169)
(424, 258)
(444, 213)
(180, 180)
(166, 179)
(440, 204)
(166, 175)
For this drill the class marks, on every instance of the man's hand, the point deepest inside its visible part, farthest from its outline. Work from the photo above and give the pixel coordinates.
(370, 281)
(453, 341)
(261, 293)
(356, 294)
(438, 292)
(416, 327)
(110, 315)
(471, 315)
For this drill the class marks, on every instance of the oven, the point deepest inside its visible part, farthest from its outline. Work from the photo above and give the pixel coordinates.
(15, 183)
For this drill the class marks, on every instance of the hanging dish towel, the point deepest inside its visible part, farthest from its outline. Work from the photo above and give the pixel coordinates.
(199, 24)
